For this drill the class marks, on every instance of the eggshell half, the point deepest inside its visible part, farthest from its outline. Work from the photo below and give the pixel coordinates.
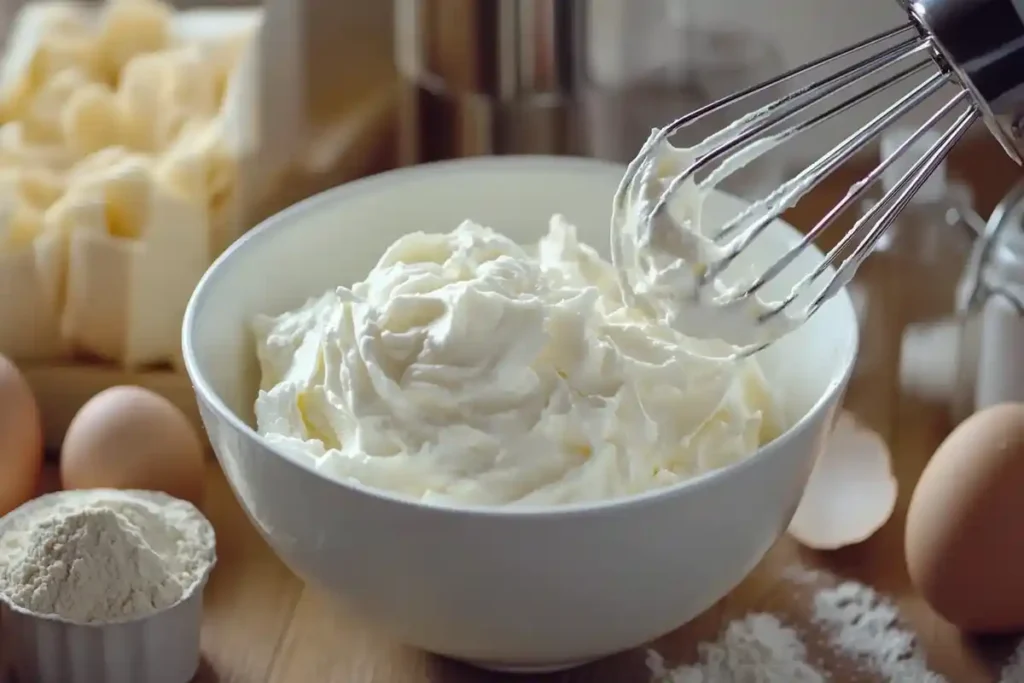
(852, 491)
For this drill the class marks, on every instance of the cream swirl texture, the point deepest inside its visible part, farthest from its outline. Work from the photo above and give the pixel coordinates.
(469, 370)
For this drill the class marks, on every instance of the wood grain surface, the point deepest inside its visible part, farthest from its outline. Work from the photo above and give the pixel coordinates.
(263, 625)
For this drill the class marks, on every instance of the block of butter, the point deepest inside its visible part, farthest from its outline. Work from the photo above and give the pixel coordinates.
(120, 173)
(137, 142)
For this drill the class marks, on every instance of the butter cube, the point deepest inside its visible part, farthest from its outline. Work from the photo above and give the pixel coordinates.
(135, 251)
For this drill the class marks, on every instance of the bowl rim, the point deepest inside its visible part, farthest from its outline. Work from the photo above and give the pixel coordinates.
(395, 177)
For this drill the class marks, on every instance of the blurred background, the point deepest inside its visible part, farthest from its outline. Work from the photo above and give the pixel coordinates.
(584, 77)
(333, 90)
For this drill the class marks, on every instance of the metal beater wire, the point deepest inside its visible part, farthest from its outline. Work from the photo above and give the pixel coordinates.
(857, 190)
(922, 170)
(896, 55)
(837, 156)
(906, 29)
(896, 199)
(761, 120)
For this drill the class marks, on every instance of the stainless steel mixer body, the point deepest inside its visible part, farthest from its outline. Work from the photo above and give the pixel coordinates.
(513, 76)
(488, 77)
(578, 77)
(981, 42)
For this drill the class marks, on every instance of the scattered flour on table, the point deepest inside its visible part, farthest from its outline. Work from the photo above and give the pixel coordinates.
(801, 576)
(866, 626)
(856, 623)
(1013, 672)
(101, 556)
(754, 649)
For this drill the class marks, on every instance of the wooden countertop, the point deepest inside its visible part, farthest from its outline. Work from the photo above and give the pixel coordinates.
(263, 625)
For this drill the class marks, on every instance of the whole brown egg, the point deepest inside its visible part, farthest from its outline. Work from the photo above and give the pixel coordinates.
(21, 438)
(127, 437)
(965, 525)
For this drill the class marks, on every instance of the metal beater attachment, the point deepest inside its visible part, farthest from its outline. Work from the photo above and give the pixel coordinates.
(974, 46)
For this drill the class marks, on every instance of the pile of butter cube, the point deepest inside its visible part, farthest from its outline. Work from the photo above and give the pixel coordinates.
(114, 175)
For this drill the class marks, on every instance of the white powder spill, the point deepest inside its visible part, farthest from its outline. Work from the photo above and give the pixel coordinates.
(754, 649)
(856, 624)
(1013, 672)
(866, 626)
(800, 575)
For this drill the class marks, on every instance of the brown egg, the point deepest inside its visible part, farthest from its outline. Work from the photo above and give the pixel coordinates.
(131, 438)
(21, 439)
(965, 525)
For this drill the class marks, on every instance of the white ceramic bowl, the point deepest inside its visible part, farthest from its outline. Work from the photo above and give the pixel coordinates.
(516, 590)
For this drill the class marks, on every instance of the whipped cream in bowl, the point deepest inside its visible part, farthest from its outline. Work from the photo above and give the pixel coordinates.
(468, 369)
(463, 432)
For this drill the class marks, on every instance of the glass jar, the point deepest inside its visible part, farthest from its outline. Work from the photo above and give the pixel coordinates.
(679, 56)
(990, 306)
(932, 237)
(908, 287)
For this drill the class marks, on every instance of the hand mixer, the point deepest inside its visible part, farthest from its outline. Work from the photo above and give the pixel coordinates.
(976, 46)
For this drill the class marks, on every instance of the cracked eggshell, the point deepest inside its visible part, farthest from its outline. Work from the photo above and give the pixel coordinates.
(851, 492)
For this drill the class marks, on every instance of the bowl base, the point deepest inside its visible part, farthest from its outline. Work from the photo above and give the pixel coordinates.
(507, 668)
